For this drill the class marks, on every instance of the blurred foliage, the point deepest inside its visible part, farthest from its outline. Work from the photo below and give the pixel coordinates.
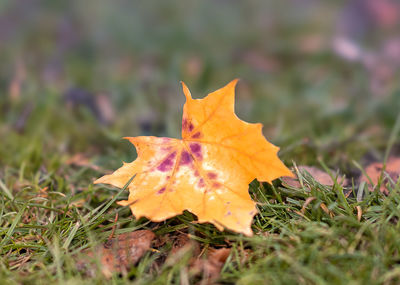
(78, 76)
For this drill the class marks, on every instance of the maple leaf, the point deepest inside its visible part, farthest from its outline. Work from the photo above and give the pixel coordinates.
(207, 172)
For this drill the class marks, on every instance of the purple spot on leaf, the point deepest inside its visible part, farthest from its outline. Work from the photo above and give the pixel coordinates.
(212, 175)
(195, 147)
(216, 185)
(167, 148)
(162, 190)
(191, 127)
(167, 164)
(196, 150)
(187, 126)
(184, 124)
(196, 135)
(201, 183)
(185, 158)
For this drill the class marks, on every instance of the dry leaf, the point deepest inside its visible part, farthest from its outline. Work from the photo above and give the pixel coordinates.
(319, 175)
(180, 247)
(105, 108)
(194, 66)
(207, 172)
(118, 254)
(17, 81)
(81, 159)
(374, 171)
(212, 265)
(259, 61)
(183, 241)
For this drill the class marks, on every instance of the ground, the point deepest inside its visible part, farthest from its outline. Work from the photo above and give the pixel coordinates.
(75, 80)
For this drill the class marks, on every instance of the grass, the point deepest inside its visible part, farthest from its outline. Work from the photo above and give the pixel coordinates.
(316, 106)
(294, 242)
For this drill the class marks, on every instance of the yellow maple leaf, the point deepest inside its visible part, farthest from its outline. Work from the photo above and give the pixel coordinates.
(207, 172)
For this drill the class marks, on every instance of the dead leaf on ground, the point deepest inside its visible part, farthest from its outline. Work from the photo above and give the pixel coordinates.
(181, 246)
(374, 171)
(211, 266)
(81, 159)
(105, 107)
(118, 254)
(15, 86)
(207, 265)
(311, 44)
(207, 172)
(183, 241)
(259, 61)
(194, 66)
(319, 175)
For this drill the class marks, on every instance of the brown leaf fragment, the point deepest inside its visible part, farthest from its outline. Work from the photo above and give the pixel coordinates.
(181, 246)
(375, 170)
(260, 61)
(14, 89)
(245, 255)
(183, 241)
(105, 108)
(319, 175)
(212, 265)
(81, 160)
(118, 254)
(194, 66)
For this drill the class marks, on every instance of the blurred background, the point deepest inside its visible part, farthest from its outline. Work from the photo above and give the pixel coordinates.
(76, 76)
